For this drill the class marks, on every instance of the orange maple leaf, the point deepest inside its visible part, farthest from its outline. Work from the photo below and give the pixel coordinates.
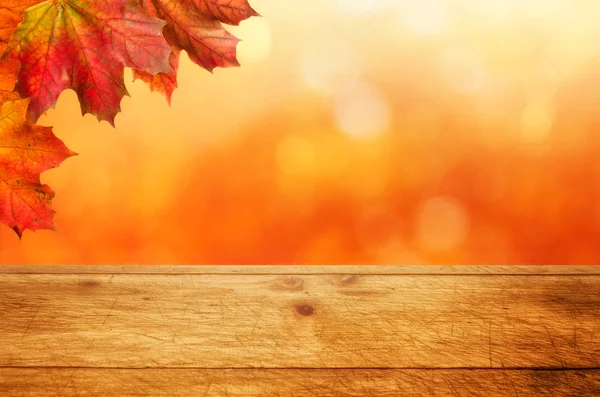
(11, 14)
(26, 151)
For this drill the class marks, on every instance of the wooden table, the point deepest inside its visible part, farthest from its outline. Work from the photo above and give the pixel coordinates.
(300, 331)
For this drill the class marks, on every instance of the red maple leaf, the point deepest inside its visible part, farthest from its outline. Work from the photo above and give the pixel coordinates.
(26, 151)
(162, 82)
(196, 27)
(85, 45)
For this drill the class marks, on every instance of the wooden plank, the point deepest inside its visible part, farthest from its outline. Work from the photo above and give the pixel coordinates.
(294, 382)
(299, 270)
(299, 321)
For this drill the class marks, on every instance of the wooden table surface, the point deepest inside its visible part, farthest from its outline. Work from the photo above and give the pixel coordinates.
(300, 331)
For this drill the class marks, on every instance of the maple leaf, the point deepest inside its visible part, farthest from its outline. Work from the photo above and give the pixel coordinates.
(162, 82)
(8, 75)
(85, 45)
(11, 14)
(26, 151)
(231, 12)
(196, 27)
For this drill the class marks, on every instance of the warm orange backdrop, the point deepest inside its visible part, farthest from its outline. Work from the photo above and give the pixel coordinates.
(398, 131)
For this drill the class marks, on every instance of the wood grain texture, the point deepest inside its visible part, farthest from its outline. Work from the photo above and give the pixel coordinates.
(298, 383)
(299, 331)
(299, 321)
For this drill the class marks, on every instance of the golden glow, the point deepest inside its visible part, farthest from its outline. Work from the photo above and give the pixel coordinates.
(356, 131)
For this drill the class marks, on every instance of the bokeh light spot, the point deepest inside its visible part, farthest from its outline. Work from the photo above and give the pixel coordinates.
(442, 224)
(493, 12)
(328, 65)
(541, 8)
(361, 111)
(362, 7)
(333, 155)
(424, 17)
(296, 156)
(463, 70)
(537, 120)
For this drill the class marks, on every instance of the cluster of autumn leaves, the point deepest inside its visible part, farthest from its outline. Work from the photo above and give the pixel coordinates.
(85, 45)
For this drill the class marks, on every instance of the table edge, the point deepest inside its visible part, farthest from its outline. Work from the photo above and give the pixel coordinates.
(461, 270)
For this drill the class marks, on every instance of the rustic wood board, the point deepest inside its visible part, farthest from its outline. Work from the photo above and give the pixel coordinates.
(246, 331)
(50, 382)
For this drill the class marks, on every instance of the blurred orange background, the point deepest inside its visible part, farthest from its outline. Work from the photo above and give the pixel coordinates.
(379, 131)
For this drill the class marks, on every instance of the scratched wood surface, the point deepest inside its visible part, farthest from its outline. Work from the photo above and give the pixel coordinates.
(322, 331)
